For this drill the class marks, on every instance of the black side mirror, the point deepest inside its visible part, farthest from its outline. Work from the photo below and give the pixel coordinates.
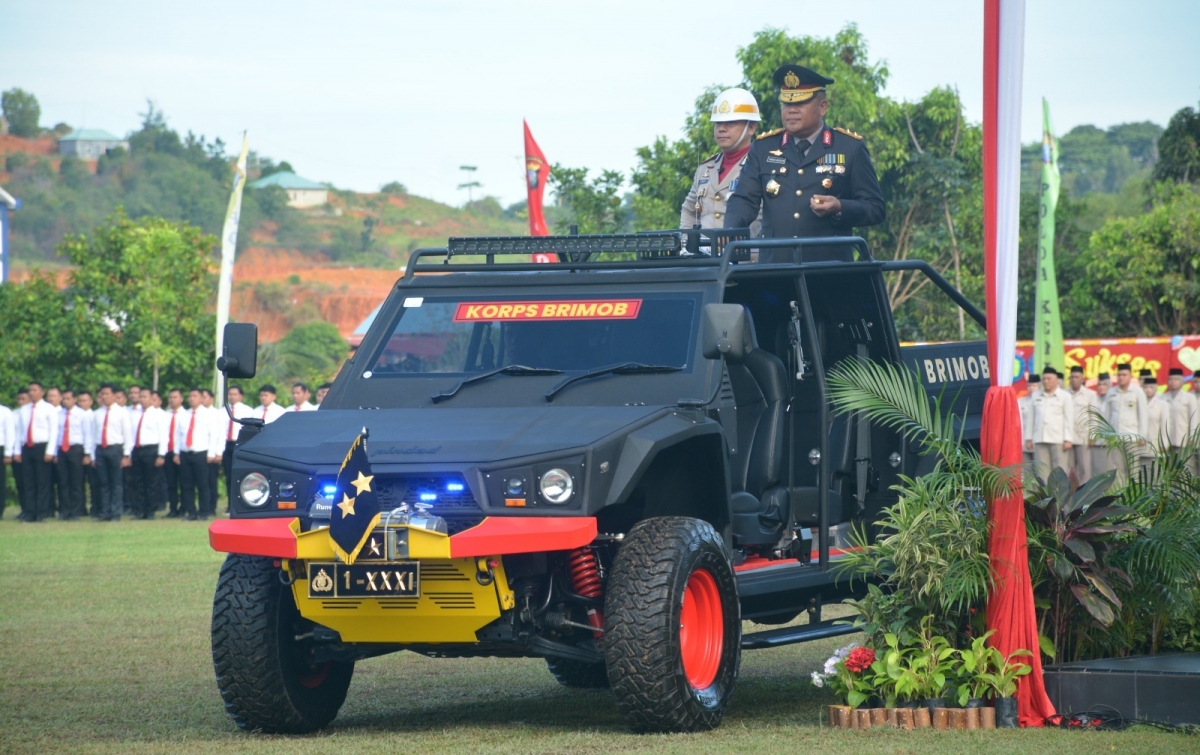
(726, 332)
(239, 357)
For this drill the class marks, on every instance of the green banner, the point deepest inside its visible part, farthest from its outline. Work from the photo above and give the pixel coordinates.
(1048, 338)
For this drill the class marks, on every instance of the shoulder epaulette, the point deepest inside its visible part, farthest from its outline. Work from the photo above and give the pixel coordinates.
(769, 133)
(850, 134)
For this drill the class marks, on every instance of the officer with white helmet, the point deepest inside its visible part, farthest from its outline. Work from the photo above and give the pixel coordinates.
(735, 118)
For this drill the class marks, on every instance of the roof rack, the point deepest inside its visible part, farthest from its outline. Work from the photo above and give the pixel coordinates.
(695, 247)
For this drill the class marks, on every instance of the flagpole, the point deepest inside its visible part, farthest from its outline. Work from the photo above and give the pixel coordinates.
(229, 233)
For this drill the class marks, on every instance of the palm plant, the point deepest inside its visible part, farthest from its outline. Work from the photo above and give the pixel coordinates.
(1071, 533)
(932, 544)
(1163, 559)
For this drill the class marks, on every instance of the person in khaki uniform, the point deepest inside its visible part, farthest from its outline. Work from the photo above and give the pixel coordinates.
(1183, 415)
(1085, 401)
(735, 118)
(1051, 430)
(1099, 452)
(1034, 384)
(1125, 409)
(1157, 417)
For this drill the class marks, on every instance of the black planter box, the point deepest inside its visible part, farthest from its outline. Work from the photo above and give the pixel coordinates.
(1162, 688)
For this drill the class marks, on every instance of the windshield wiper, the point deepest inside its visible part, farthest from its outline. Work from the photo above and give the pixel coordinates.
(512, 369)
(624, 368)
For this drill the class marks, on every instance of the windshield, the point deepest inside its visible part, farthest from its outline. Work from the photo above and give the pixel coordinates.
(461, 336)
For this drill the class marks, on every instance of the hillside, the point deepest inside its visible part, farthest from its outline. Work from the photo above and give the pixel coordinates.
(333, 263)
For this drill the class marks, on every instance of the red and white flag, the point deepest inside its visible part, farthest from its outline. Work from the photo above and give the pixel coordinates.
(537, 171)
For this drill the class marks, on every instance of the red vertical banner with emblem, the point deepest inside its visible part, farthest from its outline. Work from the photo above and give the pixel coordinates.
(537, 171)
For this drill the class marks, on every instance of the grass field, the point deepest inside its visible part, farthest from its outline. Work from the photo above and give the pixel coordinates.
(104, 648)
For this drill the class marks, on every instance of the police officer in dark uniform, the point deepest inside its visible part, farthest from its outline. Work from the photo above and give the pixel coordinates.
(809, 179)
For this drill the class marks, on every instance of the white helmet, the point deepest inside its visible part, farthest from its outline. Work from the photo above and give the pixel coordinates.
(735, 105)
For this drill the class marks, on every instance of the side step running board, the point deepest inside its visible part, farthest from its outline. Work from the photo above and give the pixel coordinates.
(773, 638)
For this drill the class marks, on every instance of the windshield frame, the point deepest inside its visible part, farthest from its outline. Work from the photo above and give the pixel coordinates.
(356, 390)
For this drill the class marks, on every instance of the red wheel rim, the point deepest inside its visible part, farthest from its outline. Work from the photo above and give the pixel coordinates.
(701, 629)
(315, 677)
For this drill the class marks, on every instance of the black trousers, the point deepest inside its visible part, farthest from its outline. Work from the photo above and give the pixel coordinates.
(70, 482)
(171, 479)
(214, 487)
(111, 480)
(38, 481)
(193, 479)
(3, 481)
(227, 466)
(143, 477)
(93, 490)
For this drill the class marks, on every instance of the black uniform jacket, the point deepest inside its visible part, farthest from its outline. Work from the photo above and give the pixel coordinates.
(837, 164)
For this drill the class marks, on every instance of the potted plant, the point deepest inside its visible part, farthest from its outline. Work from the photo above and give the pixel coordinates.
(850, 673)
(1002, 683)
(935, 665)
(974, 663)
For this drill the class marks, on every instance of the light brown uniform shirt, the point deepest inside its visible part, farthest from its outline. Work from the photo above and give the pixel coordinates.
(705, 203)
(1184, 416)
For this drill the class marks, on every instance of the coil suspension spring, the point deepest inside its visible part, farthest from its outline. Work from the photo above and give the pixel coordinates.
(583, 570)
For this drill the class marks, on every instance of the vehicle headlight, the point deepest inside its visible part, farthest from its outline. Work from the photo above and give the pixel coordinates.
(255, 489)
(556, 486)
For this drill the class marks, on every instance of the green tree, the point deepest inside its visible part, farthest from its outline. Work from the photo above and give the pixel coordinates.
(150, 280)
(1179, 148)
(22, 111)
(311, 353)
(46, 338)
(1142, 274)
(594, 205)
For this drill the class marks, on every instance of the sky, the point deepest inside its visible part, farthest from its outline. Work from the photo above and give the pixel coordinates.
(360, 93)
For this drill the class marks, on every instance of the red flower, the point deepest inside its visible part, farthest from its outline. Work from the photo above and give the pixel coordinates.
(859, 660)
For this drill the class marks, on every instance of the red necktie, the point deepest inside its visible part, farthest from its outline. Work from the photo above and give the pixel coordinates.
(104, 430)
(264, 412)
(29, 430)
(171, 440)
(66, 446)
(230, 438)
(191, 429)
(137, 441)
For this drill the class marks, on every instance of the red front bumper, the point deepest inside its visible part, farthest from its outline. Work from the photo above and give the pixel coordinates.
(494, 536)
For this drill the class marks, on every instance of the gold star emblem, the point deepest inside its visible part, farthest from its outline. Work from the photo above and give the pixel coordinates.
(347, 505)
(363, 483)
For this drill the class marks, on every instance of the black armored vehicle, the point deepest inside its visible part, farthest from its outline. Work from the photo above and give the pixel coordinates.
(610, 462)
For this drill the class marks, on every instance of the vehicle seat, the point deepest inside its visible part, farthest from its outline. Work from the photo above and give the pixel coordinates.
(760, 505)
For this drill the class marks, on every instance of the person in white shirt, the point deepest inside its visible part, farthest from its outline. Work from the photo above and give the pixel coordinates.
(84, 401)
(173, 417)
(300, 402)
(149, 446)
(1158, 417)
(57, 498)
(214, 453)
(1100, 463)
(112, 448)
(268, 411)
(17, 468)
(322, 389)
(192, 437)
(230, 432)
(8, 435)
(37, 433)
(74, 437)
(1051, 430)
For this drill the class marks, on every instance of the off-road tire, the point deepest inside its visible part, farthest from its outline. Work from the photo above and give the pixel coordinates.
(643, 641)
(264, 680)
(577, 674)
